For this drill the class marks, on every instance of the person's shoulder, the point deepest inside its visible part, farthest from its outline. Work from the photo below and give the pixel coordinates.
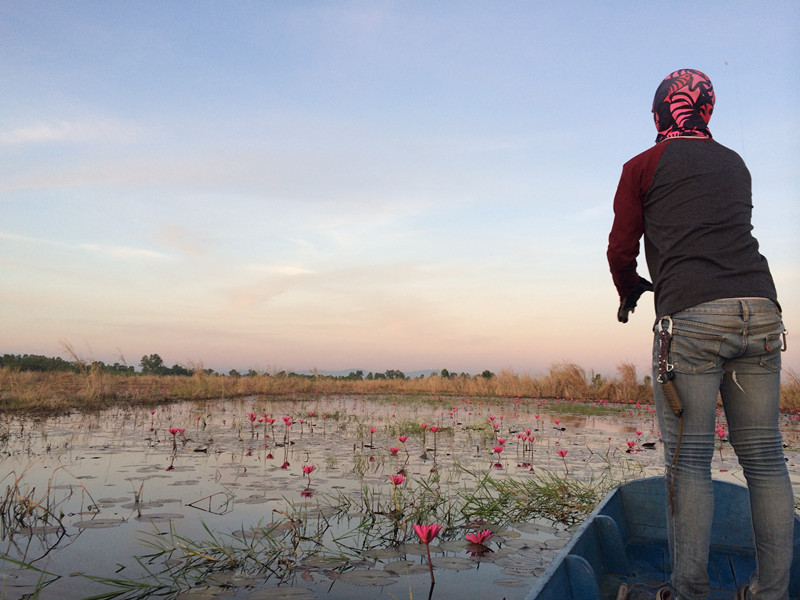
(651, 154)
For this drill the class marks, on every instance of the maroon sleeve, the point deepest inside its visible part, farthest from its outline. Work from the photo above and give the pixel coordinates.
(623, 241)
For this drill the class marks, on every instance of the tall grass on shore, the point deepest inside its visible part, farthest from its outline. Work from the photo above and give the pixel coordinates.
(93, 388)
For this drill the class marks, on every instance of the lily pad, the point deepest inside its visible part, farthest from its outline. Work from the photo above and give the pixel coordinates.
(231, 579)
(371, 577)
(325, 562)
(252, 500)
(99, 523)
(509, 582)
(406, 567)
(39, 530)
(380, 553)
(282, 593)
(453, 562)
(453, 545)
(517, 566)
(205, 594)
(419, 549)
(142, 505)
(534, 528)
(159, 517)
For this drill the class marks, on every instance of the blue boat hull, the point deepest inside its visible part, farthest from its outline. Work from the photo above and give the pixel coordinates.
(625, 541)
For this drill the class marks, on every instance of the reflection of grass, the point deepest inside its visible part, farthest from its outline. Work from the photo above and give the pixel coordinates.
(21, 509)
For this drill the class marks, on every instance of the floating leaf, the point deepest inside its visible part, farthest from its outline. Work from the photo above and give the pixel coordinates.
(512, 583)
(231, 579)
(205, 594)
(380, 553)
(454, 563)
(406, 567)
(282, 593)
(371, 577)
(159, 517)
(99, 523)
(325, 562)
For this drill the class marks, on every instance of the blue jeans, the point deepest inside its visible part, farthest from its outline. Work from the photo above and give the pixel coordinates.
(731, 348)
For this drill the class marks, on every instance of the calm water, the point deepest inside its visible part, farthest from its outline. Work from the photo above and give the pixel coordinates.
(123, 482)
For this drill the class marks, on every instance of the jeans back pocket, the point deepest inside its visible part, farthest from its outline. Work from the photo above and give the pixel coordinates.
(694, 352)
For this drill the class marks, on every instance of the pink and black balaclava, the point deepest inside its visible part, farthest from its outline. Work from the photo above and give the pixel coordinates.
(683, 105)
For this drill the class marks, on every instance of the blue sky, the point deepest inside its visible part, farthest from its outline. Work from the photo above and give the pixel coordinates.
(374, 185)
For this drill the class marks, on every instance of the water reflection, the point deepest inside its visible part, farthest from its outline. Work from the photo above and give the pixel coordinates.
(112, 482)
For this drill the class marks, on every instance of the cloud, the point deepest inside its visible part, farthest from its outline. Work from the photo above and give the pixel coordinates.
(184, 240)
(123, 252)
(62, 131)
(285, 270)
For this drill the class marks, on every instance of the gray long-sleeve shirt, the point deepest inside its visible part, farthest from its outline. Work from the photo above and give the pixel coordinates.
(691, 199)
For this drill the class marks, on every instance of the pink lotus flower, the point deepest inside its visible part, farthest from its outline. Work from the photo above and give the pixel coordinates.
(563, 454)
(501, 441)
(630, 443)
(423, 425)
(308, 469)
(426, 533)
(394, 450)
(402, 439)
(434, 428)
(498, 449)
(397, 479)
(479, 537)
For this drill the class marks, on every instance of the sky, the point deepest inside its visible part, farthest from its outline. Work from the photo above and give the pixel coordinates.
(360, 185)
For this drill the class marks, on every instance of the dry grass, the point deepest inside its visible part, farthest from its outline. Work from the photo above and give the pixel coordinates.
(94, 389)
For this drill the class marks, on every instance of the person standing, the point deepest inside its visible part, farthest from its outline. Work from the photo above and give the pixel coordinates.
(718, 332)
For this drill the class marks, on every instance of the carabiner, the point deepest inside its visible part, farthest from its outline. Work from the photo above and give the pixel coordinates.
(668, 328)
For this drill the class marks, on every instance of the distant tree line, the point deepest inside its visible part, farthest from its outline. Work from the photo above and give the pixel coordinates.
(153, 364)
(37, 362)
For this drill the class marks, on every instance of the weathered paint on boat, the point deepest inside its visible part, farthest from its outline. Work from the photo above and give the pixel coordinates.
(624, 540)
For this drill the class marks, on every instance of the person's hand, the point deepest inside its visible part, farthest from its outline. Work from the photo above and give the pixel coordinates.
(627, 304)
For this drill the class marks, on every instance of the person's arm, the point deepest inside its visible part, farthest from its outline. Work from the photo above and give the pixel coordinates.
(623, 241)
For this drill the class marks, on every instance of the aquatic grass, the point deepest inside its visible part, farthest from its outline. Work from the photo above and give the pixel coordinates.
(45, 577)
(340, 528)
(547, 495)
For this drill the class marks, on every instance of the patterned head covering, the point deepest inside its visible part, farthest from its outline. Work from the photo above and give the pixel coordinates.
(683, 105)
